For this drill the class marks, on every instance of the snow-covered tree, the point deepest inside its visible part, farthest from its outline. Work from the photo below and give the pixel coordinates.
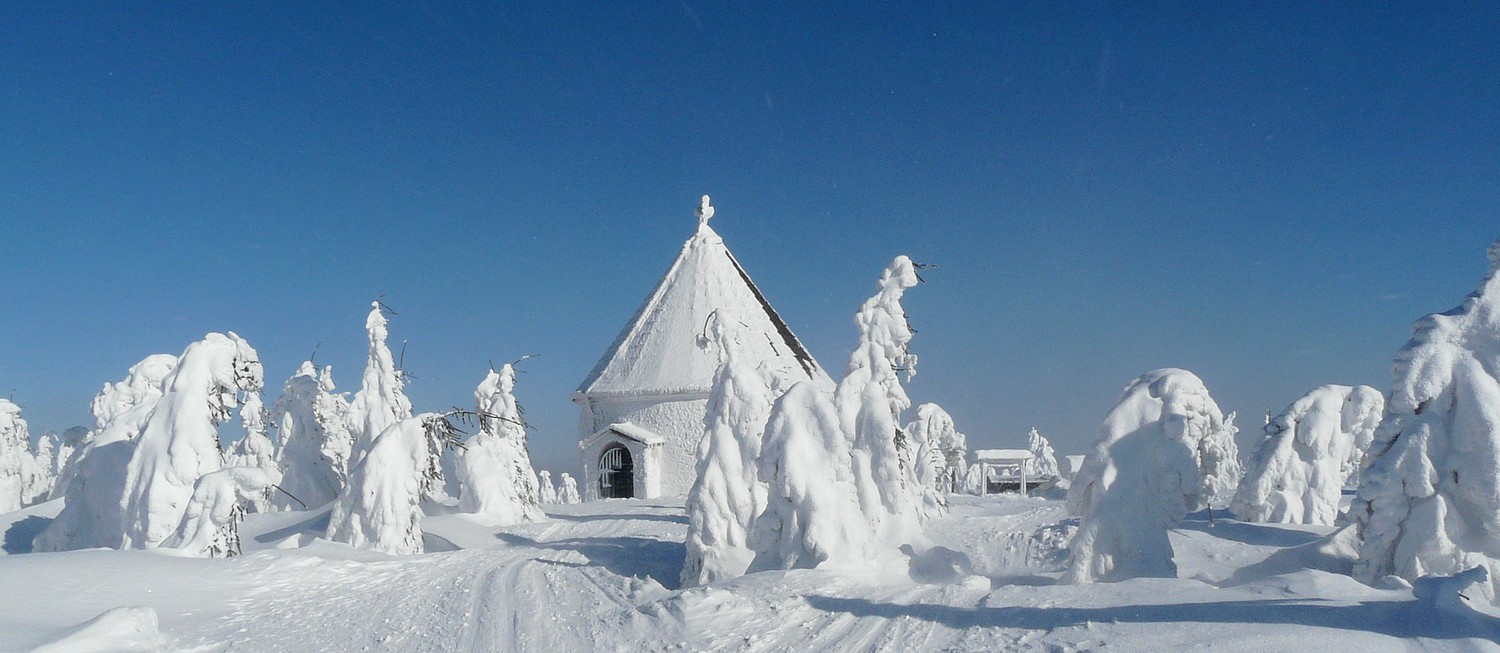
(974, 480)
(17, 467)
(546, 493)
(1298, 471)
(380, 401)
(569, 494)
(812, 515)
(1141, 478)
(1218, 464)
(1364, 410)
(727, 493)
(933, 425)
(496, 480)
(45, 454)
(380, 507)
(210, 525)
(870, 400)
(1429, 496)
(69, 447)
(255, 449)
(93, 482)
(180, 441)
(315, 443)
(1043, 463)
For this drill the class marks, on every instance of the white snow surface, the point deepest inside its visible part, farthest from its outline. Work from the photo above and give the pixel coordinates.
(1141, 478)
(602, 576)
(1429, 496)
(1298, 471)
(180, 441)
(654, 355)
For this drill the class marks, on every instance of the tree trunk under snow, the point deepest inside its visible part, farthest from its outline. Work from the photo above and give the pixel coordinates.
(1141, 478)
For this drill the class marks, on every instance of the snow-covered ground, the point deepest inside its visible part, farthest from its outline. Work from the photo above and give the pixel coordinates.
(604, 576)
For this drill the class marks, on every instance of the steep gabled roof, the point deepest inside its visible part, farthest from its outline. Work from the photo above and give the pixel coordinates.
(658, 352)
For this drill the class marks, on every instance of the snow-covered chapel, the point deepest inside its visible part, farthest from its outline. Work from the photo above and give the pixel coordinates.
(641, 408)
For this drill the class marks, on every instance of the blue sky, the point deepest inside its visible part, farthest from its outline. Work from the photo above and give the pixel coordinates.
(1267, 194)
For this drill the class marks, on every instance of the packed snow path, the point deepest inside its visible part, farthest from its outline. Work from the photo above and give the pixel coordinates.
(603, 576)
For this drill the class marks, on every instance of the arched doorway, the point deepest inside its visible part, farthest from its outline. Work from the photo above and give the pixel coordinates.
(616, 473)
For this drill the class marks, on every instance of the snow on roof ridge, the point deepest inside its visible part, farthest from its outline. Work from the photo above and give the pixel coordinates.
(705, 281)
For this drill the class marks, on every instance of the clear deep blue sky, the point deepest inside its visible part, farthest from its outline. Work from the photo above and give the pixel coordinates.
(1265, 194)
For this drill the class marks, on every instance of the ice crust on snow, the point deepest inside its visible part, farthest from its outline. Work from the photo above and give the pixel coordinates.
(1141, 478)
(496, 480)
(1298, 472)
(1429, 496)
(180, 441)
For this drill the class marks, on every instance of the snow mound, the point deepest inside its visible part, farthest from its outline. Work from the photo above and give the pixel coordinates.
(119, 630)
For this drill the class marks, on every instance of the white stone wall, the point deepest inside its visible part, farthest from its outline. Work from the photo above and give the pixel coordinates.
(678, 421)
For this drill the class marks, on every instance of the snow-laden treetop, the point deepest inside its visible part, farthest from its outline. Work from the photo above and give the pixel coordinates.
(1443, 344)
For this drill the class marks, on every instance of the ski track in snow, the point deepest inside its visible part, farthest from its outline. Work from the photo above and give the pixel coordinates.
(602, 577)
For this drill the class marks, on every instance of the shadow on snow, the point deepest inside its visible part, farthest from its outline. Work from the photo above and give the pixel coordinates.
(623, 555)
(1403, 619)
